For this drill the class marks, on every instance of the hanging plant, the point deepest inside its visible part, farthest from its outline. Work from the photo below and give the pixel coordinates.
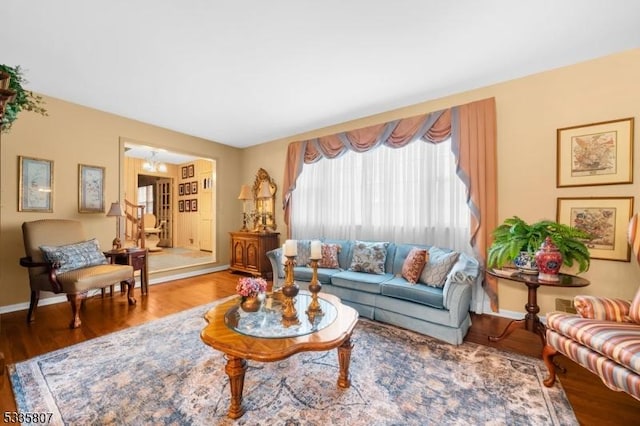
(24, 99)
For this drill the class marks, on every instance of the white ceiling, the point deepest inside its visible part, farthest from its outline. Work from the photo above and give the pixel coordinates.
(244, 72)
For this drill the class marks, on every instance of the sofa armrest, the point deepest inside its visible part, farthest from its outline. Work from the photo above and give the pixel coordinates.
(52, 269)
(602, 308)
(457, 299)
(275, 258)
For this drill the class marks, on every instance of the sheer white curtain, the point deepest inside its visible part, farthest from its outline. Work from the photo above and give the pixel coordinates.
(405, 195)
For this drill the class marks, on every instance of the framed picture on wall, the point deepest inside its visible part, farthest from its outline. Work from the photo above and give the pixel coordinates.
(191, 170)
(595, 154)
(194, 205)
(194, 187)
(184, 172)
(181, 189)
(187, 205)
(35, 185)
(90, 189)
(187, 188)
(605, 218)
(181, 206)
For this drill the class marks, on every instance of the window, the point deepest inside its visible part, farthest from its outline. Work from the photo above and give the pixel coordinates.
(405, 195)
(145, 197)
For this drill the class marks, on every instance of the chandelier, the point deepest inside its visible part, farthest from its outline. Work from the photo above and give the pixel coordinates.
(153, 165)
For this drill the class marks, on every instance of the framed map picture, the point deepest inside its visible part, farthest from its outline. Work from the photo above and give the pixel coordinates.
(90, 189)
(595, 154)
(35, 185)
(606, 219)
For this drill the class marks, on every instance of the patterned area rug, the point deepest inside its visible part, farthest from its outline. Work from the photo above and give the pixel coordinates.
(162, 373)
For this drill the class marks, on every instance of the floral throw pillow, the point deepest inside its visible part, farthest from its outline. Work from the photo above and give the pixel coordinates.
(75, 256)
(329, 256)
(413, 264)
(438, 267)
(369, 257)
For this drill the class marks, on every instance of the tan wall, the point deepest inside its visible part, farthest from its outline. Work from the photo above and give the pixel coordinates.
(529, 110)
(73, 135)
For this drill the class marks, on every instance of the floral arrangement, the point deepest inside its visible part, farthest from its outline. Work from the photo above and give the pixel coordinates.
(249, 286)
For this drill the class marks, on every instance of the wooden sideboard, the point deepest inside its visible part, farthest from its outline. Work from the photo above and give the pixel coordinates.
(249, 252)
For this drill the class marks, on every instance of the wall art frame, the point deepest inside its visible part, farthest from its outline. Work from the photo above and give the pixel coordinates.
(595, 154)
(187, 188)
(35, 185)
(194, 187)
(191, 169)
(181, 206)
(184, 172)
(194, 205)
(91, 189)
(181, 189)
(607, 218)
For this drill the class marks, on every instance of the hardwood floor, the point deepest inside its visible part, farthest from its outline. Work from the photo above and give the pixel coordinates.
(593, 403)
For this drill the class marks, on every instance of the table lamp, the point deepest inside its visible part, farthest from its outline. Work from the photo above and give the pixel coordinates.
(116, 211)
(245, 195)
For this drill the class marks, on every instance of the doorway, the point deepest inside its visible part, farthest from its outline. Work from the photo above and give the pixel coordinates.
(187, 237)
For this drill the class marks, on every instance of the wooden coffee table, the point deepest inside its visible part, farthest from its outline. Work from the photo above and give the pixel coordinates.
(260, 336)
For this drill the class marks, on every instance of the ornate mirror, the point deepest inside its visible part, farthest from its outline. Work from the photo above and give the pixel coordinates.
(264, 195)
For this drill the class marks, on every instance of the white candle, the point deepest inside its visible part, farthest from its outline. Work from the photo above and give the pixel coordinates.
(316, 250)
(291, 248)
(283, 257)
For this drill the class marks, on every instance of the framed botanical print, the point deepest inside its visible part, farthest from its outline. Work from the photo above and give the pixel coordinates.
(605, 218)
(35, 185)
(181, 189)
(595, 154)
(194, 187)
(184, 172)
(90, 189)
(187, 188)
(187, 205)
(181, 206)
(194, 205)
(191, 170)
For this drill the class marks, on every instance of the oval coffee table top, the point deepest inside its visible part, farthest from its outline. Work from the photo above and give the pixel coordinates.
(258, 336)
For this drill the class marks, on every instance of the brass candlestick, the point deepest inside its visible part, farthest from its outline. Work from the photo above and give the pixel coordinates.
(289, 292)
(314, 289)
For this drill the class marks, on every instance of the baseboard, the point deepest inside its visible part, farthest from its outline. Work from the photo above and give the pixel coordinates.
(157, 280)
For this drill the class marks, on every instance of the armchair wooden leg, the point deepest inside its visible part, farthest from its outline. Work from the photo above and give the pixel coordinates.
(548, 352)
(131, 283)
(76, 303)
(33, 304)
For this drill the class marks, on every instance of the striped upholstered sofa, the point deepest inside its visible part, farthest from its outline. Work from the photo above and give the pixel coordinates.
(604, 338)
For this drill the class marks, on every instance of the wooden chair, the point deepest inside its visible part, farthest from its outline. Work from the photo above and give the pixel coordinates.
(61, 260)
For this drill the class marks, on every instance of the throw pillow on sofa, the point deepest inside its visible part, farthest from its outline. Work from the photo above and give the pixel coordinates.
(329, 258)
(369, 257)
(75, 256)
(414, 264)
(438, 267)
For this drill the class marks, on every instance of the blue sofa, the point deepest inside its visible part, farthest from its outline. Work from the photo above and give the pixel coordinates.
(440, 312)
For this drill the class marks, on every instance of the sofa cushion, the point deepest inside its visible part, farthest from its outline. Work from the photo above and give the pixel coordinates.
(413, 264)
(304, 252)
(602, 308)
(369, 257)
(74, 256)
(617, 341)
(304, 273)
(400, 288)
(361, 281)
(329, 256)
(437, 268)
(634, 310)
(344, 256)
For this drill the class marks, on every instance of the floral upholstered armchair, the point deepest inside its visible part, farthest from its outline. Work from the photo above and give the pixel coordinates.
(604, 337)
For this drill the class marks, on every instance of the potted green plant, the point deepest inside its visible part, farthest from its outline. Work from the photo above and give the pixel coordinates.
(515, 235)
(22, 100)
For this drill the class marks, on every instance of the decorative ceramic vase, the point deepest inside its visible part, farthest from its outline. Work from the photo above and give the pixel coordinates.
(549, 261)
(526, 263)
(250, 303)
